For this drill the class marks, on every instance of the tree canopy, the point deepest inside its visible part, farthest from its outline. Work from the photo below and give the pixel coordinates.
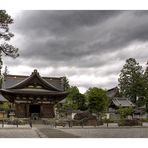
(131, 80)
(75, 100)
(5, 106)
(5, 36)
(124, 112)
(146, 86)
(66, 83)
(97, 100)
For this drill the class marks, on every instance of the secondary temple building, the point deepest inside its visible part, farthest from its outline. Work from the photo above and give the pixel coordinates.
(33, 96)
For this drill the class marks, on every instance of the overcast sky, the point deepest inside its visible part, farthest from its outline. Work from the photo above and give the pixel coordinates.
(89, 47)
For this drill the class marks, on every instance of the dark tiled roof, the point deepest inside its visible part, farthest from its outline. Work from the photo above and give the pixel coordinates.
(2, 99)
(34, 85)
(11, 80)
(111, 93)
(35, 80)
(122, 102)
(43, 94)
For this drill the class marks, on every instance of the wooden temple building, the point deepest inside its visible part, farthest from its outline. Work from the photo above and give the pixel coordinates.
(33, 96)
(116, 101)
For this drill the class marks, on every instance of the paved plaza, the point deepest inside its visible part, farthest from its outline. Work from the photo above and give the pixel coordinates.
(42, 131)
(38, 131)
(129, 132)
(22, 131)
(112, 131)
(18, 133)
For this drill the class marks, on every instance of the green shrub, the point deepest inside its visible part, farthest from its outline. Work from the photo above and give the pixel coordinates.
(124, 112)
(109, 121)
(16, 122)
(144, 120)
(127, 122)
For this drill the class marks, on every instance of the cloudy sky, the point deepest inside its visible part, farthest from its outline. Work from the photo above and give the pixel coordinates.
(89, 47)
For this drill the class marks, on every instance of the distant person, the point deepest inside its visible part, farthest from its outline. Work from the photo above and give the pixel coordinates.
(30, 123)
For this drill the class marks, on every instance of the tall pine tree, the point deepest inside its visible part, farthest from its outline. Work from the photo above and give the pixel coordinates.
(146, 86)
(5, 36)
(66, 83)
(131, 82)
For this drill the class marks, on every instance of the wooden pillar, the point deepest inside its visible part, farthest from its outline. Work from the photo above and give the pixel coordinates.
(26, 110)
(28, 113)
(41, 110)
(20, 110)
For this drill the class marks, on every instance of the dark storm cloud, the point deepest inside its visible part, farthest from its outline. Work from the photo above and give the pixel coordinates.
(60, 22)
(85, 42)
(68, 36)
(123, 30)
(57, 34)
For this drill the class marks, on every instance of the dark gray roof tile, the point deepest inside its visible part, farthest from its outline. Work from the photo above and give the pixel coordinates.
(122, 102)
(2, 99)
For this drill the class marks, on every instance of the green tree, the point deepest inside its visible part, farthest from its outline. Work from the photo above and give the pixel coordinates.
(5, 36)
(81, 102)
(146, 86)
(66, 83)
(75, 100)
(131, 82)
(5, 106)
(97, 100)
(124, 112)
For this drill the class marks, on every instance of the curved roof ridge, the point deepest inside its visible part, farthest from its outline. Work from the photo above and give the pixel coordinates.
(31, 77)
(48, 84)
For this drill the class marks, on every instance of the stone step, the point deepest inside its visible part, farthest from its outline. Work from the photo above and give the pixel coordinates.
(37, 122)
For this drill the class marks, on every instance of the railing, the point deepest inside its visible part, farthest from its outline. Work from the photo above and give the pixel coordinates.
(16, 121)
(70, 123)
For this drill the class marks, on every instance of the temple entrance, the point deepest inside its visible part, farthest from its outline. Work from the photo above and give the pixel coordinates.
(34, 111)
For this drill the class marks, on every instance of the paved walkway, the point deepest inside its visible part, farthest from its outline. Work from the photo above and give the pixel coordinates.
(56, 133)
